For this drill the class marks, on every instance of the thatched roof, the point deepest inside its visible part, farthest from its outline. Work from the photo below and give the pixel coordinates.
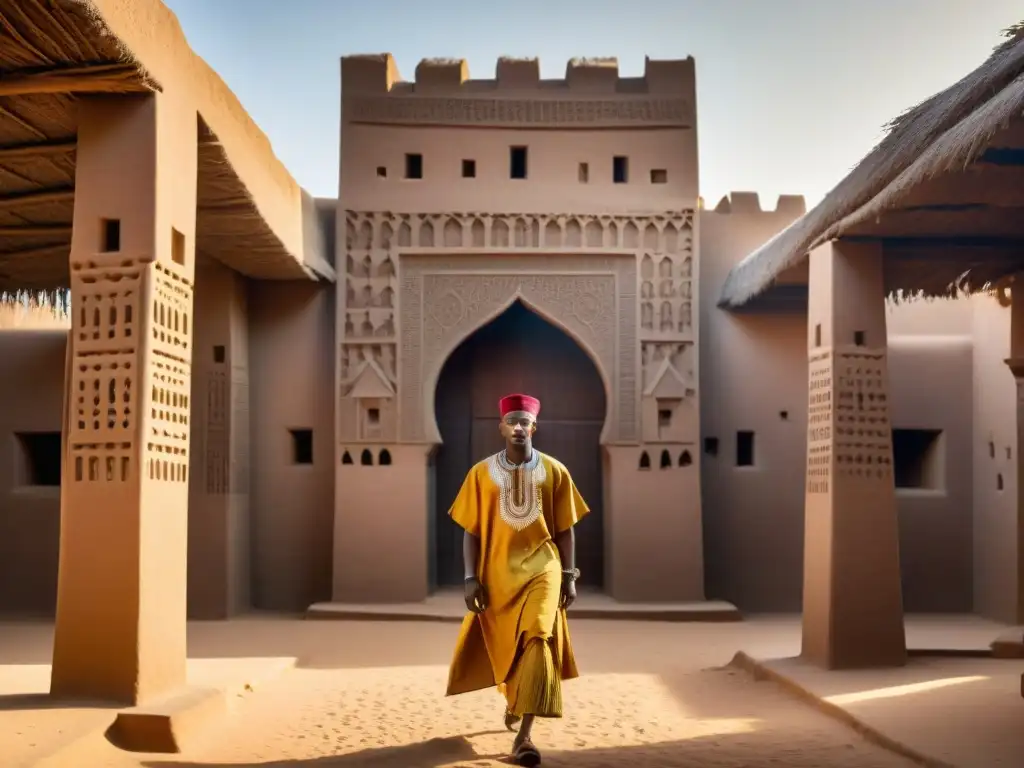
(250, 210)
(917, 185)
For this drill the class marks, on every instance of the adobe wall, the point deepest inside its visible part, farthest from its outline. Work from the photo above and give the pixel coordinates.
(756, 367)
(291, 327)
(31, 400)
(994, 454)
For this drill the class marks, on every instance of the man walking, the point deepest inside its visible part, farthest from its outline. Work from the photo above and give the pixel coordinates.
(518, 509)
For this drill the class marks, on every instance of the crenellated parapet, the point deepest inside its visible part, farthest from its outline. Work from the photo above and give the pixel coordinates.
(592, 93)
(791, 206)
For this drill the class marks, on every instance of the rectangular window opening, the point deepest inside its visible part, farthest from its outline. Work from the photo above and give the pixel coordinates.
(517, 162)
(665, 418)
(219, 353)
(373, 416)
(817, 335)
(744, 449)
(111, 236)
(620, 169)
(584, 173)
(39, 459)
(469, 169)
(858, 338)
(302, 446)
(659, 176)
(382, 172)
(414, 166)
(177, 247)
(711, 446)
(918, 459)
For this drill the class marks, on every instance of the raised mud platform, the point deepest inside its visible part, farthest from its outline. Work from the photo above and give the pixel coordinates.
(447, 606)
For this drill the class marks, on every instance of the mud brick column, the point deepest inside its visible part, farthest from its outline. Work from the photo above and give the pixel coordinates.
(120, 630)
(1016, 365)
(852, 603)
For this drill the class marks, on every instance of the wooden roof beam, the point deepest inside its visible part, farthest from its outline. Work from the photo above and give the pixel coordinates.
(37, 149)
(34, 230)
(37, 197)
(96, 78)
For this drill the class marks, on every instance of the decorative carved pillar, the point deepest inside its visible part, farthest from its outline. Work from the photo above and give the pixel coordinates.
(219, 511)
(120, 629)
(853, 605)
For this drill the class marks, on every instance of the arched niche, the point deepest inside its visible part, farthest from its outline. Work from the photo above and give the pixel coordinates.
(551, 316)
(443, 301)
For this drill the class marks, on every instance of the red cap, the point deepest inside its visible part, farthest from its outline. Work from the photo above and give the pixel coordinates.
(512, 403)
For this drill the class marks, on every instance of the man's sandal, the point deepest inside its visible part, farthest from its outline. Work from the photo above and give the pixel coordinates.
(511, 720)
(526, 754)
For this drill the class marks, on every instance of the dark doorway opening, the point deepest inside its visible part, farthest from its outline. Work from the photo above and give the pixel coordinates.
(519, 351)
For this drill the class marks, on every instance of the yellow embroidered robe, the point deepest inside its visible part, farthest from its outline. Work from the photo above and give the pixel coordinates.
(519, 569)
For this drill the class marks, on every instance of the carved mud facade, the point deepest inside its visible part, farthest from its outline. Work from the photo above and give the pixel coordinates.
(431, 258)
(586, 281)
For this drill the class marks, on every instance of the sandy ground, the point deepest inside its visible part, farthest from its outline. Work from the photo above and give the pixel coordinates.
(369, 695)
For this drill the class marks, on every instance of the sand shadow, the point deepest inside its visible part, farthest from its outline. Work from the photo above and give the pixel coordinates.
(426, 754)
(754, 749)
(10, 702)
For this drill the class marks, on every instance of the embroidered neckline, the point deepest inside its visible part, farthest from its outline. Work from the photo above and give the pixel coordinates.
(519, 498)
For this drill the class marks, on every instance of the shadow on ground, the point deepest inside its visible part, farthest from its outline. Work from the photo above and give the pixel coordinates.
(755, 751)
(24, 702)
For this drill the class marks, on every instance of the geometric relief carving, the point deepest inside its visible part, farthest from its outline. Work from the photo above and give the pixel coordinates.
(444, 299)
(666, 279)
(227, 432)
(863, 432)
(104, 383)
(382, 299)
(606, 113)
(218, 438)
(238, 463)
(848, 425)
(819, 422)
(170, 370)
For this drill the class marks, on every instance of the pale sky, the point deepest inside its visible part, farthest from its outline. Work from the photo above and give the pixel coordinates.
(790, 93)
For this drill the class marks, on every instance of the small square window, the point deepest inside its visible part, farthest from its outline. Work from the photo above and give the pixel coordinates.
(373, 416)
(469, 169)
(382, 172)
(744, 449)
(620, 169)
(858, 338)
(177, 247)
(665, 417)
(659, 176)
(517, 162)
(219, 353)
(110, 234)
(918, 458)
(40, 458)
(302, 446)
(414, 166)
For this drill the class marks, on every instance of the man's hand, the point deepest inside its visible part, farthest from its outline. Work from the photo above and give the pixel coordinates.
(476, 596)
(568, 596)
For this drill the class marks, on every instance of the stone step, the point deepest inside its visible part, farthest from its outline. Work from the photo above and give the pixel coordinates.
(1009, 645)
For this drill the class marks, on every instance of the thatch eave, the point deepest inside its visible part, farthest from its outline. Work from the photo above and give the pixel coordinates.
(943, 133)
(250, 212)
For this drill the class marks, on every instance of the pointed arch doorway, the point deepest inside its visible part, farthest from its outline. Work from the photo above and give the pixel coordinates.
(518, 351)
